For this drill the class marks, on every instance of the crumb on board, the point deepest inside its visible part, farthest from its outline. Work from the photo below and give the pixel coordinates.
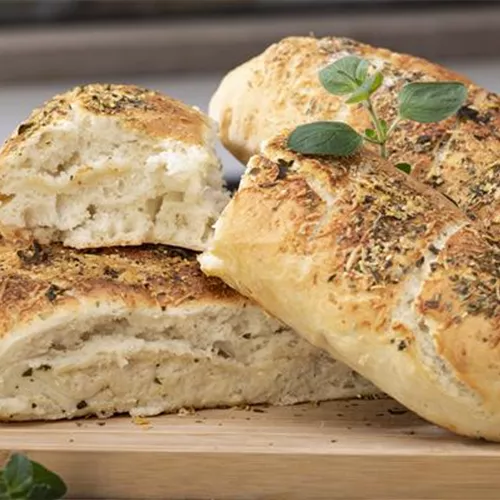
(141, 421)
(183, 412)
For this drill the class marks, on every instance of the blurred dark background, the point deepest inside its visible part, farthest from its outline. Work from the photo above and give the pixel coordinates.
(39, 11)
(183, 47)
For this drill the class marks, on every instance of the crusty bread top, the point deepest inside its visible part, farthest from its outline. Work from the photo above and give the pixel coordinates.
(280, 89)
(388, 275)
(138, 109)
(35, 279)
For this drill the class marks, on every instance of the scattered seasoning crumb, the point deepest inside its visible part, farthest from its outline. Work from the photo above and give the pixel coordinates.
(333, 440)
(410, 433)
(433, 249)
(101, 424)
(53, 292)
(402, 345)
(71, 440)
(44, 368)
(397, 411)
(34, 255)
(141, 421)
(33, 405)
(340, 414)
(112, 273)
(157, 381)
(28, 372)
(283, 167)
(81, 405)
(258, 410)
(183, 412)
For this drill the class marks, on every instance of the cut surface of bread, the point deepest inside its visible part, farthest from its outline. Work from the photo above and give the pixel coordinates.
(280, 88)
(108, 165)
(366, 262)
(143, 331)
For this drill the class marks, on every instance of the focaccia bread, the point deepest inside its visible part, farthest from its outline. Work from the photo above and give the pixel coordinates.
(371, 265)
(280, 89)
(108, 165)
(143, 331)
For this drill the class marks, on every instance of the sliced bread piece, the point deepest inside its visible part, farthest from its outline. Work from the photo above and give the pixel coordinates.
(108, 165)
(143, 331)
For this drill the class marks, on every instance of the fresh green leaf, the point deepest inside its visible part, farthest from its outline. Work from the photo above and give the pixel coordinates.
(54, 484)
(3, 488)
(42, 492)
(362, 71)
(341, 77)
(370, 85)
(325, 138)
(23, 479)
(431, 102)
(371, 134)
(376, 81)
(359, 95)
(18, 476)
(404, 167)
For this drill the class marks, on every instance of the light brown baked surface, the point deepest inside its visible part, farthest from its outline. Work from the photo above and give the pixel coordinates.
(280, 89)
(370, 264)
(135, 108)
(37, 280)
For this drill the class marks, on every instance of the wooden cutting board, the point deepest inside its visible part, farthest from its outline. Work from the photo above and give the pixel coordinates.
(341, 450)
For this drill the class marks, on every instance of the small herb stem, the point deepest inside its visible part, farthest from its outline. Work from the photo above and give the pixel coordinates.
(378, 127)
(394, 124)
(383, 150)
(369, 139)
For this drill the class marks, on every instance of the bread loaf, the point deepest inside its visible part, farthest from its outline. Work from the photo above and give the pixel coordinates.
(280, 89)
(374, 267)
(143, 331)
(108, 165)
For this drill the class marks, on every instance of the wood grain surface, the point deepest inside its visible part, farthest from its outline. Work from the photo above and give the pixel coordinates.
(339, 450)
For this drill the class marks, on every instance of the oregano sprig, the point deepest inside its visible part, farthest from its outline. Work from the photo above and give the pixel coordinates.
(24, 479)
(350, 76)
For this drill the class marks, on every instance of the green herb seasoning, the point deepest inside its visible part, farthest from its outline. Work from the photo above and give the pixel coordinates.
(351, 77)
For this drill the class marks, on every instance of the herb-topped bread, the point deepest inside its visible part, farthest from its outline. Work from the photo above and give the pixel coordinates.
(281, 88)
(108, 165)
(143, 331)
(371, 265)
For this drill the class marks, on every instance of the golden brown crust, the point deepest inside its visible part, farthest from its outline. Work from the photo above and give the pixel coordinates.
(37, 280)
(280, 89)
(386, 274)
(142, 110)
